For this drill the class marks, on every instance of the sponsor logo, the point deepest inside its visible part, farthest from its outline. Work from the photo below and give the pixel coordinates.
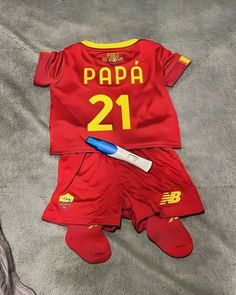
(112, 57)
(170, 198)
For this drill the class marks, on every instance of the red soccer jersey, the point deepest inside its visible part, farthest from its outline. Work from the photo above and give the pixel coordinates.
(115, 91)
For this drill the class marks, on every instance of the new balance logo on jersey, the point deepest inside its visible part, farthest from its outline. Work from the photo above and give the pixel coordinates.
(170, 198)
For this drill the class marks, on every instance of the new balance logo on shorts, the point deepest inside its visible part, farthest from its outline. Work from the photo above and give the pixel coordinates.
(170, 198)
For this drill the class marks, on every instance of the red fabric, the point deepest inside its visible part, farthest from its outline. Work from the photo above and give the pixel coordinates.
(49, 68)
(153, 120)
(90, 243)
(106, 189)
(169, 235)
(175, 73)
(172, 66)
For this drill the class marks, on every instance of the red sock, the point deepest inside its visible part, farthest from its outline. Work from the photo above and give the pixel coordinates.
(89, 242)
(170, 235)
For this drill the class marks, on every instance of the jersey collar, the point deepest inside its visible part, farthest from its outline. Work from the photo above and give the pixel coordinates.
(109, 45)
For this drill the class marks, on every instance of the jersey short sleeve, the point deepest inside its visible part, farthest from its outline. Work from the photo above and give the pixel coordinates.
(49, 68)
(173, 65)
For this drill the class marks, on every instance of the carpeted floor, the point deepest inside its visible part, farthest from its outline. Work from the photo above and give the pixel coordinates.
(205, 99)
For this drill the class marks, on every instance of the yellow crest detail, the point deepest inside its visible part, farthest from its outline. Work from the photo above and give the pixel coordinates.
(170, 198)
(67, 198)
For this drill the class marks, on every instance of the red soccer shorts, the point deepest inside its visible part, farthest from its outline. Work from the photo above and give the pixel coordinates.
(93, 188)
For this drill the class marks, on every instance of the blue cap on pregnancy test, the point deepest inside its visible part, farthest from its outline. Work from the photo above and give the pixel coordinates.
(102, 145)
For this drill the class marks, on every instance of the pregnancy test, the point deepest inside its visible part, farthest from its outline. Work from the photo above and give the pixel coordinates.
(117, 152)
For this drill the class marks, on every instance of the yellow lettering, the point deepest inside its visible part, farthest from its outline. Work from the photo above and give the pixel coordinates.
(120, 73)
(95, 125)
(89, 74)
(102, 77)
(123, 101)
(136, 73)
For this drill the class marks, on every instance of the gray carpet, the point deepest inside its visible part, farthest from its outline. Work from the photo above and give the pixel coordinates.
(205, 99)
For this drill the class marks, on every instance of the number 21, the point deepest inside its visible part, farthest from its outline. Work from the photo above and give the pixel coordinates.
(122, 101)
